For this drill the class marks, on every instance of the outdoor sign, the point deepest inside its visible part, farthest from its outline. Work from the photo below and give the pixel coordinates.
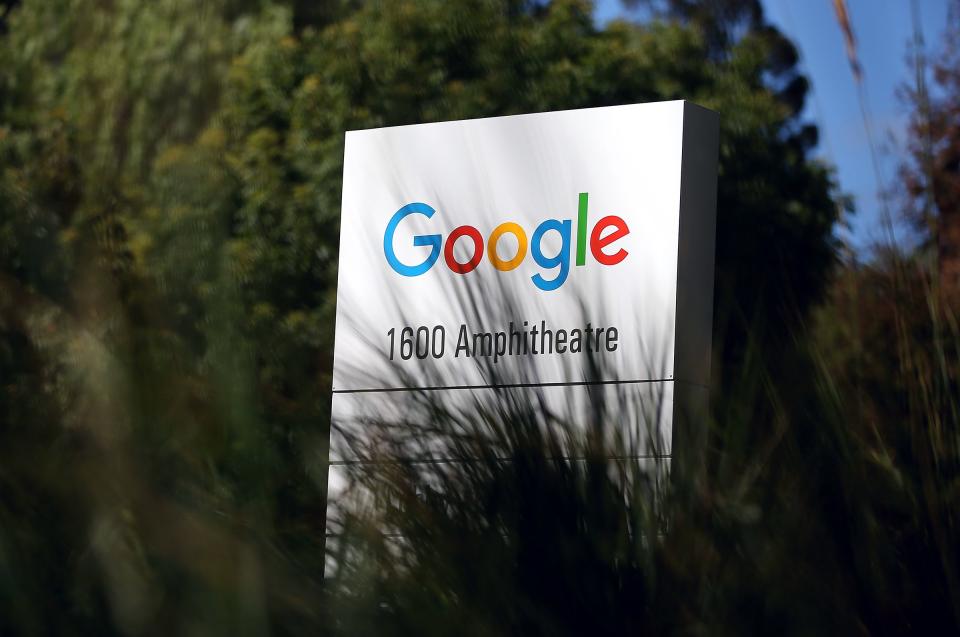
(558, 250)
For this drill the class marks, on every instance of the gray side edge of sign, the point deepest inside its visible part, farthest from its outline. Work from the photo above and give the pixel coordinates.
(696, 247)
(695, 276)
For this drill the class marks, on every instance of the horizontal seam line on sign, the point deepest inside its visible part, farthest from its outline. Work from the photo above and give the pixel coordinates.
(505, 386)
(340, 463)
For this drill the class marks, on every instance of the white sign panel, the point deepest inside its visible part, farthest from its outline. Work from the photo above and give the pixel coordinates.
(555, 249)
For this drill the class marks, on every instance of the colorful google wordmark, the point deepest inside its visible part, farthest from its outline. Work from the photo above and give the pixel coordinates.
(599, 240)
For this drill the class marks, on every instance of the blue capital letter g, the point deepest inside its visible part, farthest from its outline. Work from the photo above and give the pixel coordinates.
(431, 240)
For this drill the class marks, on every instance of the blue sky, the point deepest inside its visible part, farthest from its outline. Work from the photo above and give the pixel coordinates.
(883, 29)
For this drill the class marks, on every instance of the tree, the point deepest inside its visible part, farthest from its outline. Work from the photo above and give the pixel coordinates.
(932, 177)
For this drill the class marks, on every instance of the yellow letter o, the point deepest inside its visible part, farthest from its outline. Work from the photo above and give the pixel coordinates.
(499, 231)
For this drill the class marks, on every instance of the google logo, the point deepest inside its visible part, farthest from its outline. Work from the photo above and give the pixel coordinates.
(600, 240)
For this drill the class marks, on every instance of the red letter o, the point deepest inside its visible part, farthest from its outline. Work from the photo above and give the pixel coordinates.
(469, 266)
